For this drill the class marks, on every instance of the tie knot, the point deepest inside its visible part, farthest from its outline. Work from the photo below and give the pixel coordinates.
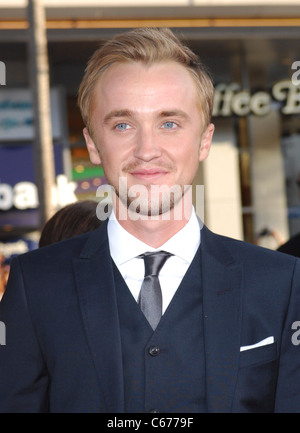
(154, 261)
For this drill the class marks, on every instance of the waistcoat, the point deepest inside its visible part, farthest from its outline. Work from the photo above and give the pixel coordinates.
(164, 370)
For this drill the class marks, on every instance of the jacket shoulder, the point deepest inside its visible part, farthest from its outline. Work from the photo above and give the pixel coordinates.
(64, 251)
(245, 252)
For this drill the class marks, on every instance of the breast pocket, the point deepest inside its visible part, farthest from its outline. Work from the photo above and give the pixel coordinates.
(258, 355)
(256, 382)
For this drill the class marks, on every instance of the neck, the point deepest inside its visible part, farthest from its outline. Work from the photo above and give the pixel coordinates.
(154, 230)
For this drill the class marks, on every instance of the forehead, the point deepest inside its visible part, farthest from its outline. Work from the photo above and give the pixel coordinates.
(136, 83)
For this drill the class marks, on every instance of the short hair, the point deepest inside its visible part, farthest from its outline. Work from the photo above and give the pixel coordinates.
(148, 46)
(69, 221)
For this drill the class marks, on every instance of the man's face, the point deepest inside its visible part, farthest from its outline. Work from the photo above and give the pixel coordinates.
(147, 129)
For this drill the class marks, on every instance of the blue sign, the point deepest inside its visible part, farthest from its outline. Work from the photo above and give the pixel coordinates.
(18, 190)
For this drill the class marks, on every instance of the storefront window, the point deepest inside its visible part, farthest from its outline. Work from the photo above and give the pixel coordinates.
(290, 143)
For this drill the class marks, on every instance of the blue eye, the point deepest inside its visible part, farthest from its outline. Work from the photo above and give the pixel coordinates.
(169, 125)
(122, 126)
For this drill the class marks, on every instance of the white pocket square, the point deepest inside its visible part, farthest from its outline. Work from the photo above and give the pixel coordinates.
(264, 342)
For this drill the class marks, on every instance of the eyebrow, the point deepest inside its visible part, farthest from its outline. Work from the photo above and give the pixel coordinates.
(118, 113)
(128, 113)
(172, 113)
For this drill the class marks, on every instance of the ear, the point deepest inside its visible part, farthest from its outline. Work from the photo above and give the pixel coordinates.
(206, 140)
(92, 148)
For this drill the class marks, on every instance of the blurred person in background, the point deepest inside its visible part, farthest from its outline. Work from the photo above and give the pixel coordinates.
(291, 246)
(4, 273)
(152, 312)
(69, 221)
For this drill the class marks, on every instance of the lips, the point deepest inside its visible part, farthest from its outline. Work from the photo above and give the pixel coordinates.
(148, 174)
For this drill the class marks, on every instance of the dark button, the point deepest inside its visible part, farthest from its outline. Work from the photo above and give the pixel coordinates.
(154, 351)
(154, 411)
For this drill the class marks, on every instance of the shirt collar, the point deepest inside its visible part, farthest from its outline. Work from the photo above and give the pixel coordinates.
(124, 246)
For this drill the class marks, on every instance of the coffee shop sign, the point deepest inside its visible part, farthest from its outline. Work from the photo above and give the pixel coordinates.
(230, 100)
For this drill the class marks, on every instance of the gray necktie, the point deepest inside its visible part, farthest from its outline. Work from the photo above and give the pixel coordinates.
(150, 298)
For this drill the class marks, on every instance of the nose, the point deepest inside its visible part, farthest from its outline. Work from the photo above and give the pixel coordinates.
(147, 145)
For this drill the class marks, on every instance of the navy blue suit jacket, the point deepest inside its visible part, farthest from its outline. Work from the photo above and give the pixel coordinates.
(63, 349)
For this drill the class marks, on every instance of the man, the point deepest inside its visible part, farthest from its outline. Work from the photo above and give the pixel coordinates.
(213, 330)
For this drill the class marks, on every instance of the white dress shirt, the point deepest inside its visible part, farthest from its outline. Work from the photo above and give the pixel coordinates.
(124, 249)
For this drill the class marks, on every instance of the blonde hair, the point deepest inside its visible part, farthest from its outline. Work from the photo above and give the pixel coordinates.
(146, 45)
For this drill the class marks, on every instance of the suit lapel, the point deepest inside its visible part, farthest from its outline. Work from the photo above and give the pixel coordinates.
(96, 292)
(221, 280)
